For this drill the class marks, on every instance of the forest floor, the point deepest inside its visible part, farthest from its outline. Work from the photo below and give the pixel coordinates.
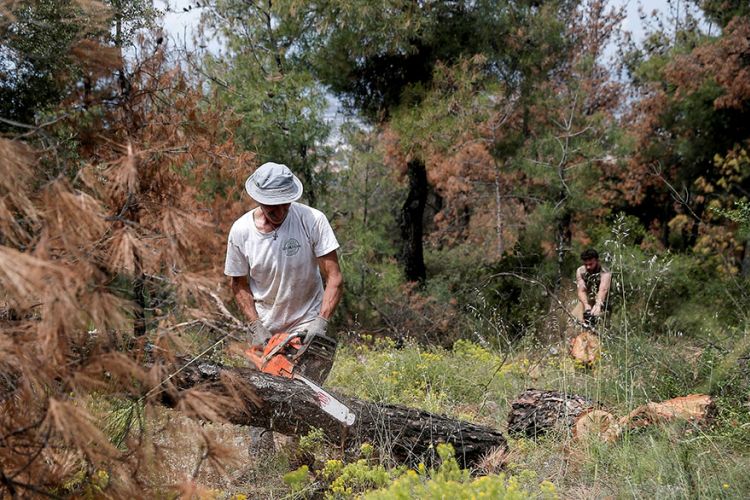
(477, 383)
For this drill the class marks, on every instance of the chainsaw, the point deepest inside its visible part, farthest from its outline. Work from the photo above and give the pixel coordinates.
(285, 355)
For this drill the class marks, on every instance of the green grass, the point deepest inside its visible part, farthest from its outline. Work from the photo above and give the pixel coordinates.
(476, 383)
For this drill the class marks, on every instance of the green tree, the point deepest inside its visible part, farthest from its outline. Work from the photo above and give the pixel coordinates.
(382, 59)
(692, 109)
(363, 200)
(283, 106)
(723, 11)
(574, 130)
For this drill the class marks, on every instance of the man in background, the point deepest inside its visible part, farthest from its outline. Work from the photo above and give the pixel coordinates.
(593, 282)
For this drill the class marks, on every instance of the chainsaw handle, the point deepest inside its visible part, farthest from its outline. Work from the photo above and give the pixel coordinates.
(280, 346)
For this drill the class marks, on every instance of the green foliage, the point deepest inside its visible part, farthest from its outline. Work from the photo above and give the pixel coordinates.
(312, 442)
(298, 480)
(404, 42)
(123, 418)
(378, 57)
(363, 204)
(459, 99)
(35, 45)
(87, 486)
(356, 478)
(450, 481)
(36, 61)
(669, 465)
(412, 486)
(447, 480)
(739, 214)
(313, 448)
(457, 382)
(690, 119)
(723, 11)
(666, 462)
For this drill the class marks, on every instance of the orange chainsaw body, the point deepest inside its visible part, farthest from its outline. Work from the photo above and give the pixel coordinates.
(285, 355)
(280, 363)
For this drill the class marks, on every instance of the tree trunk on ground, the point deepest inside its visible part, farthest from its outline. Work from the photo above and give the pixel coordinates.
(536, 412)
(289, 407)
(411, 222)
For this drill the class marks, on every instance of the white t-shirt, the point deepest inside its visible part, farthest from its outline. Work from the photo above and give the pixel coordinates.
(282, 266)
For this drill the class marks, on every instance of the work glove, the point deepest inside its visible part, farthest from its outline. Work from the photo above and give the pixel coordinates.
(259, 334)
(318, 326)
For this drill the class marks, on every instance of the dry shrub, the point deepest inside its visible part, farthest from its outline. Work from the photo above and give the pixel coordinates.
(77, 252)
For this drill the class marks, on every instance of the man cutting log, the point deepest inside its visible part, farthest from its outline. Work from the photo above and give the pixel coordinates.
(279, 257)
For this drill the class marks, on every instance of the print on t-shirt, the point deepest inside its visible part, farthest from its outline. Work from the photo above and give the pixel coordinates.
(291, 247)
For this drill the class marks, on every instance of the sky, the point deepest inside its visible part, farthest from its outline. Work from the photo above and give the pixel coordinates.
(181, 20)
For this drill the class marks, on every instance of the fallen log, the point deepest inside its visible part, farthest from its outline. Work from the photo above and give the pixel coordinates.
(289, 407)
(535, 412)
(698, 409)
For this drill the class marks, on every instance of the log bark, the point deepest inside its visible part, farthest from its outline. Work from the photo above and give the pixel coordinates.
(535, 412)
(288, 407)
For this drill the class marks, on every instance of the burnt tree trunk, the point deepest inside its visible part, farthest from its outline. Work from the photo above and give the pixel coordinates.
(745, 266)
(139, 300)
(289, 407)
(536, 412)
(412, 213)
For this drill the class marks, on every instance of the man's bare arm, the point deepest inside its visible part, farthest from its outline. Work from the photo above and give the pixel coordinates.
(604, 285)
(244, 297)
(334, 283)
(582, 295)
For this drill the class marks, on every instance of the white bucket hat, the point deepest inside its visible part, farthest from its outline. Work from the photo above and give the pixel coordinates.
(273, 184)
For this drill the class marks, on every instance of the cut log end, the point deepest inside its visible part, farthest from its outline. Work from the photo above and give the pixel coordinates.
(536, 412)
(597, 424)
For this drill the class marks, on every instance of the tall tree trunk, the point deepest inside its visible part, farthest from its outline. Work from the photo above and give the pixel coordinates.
(499, 215)
(139, 299)
(563, 239)
(412, 213)
(745, 269)
(309, 177)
